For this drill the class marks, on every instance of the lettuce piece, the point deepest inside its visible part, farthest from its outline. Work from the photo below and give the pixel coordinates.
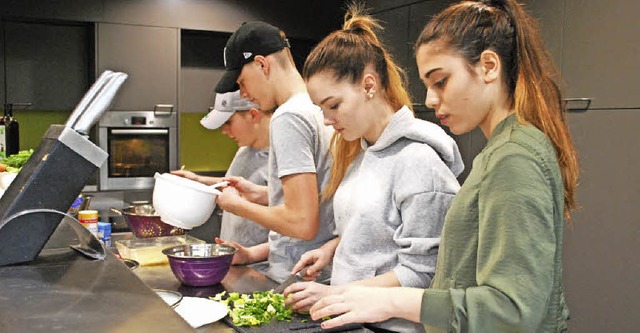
(255, 309)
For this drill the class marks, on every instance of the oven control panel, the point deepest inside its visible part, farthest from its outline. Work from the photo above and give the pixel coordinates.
(137, 119)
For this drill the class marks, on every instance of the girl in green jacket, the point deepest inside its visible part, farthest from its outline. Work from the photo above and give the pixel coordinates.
(499, 264)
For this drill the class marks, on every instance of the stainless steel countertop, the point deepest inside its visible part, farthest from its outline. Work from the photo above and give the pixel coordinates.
(240, 278)
(63, 291)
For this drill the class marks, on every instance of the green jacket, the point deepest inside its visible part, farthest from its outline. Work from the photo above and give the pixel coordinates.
(499, 265)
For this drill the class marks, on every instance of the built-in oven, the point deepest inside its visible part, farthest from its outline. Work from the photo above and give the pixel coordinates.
(139, 144)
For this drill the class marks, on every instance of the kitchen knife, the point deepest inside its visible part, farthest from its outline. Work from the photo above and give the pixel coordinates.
(100, 103)
(291, 280)
(314, 326)
(88, 97)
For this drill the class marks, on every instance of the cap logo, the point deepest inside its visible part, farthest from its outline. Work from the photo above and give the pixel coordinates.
(224, 102)
(246, 55)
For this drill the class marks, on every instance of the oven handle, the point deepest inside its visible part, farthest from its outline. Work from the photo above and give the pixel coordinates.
(139, 131)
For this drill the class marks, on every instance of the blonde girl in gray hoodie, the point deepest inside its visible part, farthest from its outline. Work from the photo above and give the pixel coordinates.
(393, 177)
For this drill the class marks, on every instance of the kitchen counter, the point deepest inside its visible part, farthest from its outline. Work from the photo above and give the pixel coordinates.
(63, 291)
(240, 278)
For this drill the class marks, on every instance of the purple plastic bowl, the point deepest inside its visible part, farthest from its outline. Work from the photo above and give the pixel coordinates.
(200, 265)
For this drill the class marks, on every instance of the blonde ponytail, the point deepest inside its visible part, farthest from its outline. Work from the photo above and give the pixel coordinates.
(345, 54)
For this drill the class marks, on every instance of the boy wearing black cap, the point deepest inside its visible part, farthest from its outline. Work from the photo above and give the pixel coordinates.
(258, 62)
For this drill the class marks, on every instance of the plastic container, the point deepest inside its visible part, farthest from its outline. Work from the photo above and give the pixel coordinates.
(104, 233)
(148, 251)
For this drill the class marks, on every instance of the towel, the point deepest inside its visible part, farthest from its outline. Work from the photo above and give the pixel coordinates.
(200, 311)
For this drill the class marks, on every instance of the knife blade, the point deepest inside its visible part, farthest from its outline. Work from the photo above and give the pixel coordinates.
(316, 325)
(291, 280)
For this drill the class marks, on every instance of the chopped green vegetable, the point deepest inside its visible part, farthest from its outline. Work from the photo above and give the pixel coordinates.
(17, 161)
(255, 309)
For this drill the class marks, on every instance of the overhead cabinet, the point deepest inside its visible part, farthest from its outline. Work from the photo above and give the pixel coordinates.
(149, 55)
(600, 57)
(46, 64)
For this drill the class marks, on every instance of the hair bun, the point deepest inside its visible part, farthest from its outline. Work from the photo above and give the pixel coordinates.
(500, 4)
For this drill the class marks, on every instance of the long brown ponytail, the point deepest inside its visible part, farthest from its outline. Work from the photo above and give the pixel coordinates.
(470, 27)
(345, 53)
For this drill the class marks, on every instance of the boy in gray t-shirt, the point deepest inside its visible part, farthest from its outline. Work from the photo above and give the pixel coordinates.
(245, 123)
(259, 62)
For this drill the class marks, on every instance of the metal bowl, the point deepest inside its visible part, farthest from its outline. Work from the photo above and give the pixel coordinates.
(200, 265)
(130, 263)
(144, 222)
(172, 298)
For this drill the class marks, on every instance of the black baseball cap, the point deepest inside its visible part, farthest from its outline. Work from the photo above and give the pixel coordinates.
(250, 40)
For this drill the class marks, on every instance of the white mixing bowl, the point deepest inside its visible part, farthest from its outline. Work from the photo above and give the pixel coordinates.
(182, 202)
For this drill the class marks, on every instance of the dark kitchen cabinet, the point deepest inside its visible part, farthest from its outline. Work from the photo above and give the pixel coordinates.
(47, 64)
(595, 44)
(550, 15)
(149, 55)
(202, 66)
(601, 246)
(395, 35)
(600, 52)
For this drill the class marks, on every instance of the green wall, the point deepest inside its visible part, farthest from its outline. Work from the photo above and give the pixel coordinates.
(202, 149)
(34, 124)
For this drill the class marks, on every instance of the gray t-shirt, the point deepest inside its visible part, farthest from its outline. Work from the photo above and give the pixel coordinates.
(299, 144)
(251, 164)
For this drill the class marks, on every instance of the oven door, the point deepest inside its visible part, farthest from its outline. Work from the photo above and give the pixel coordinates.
(135, 155)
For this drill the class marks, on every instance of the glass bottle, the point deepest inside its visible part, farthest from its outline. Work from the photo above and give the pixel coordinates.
(11, 131)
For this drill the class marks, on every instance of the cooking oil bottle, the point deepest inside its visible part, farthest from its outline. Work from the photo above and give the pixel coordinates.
(3, 139)
(10, 141)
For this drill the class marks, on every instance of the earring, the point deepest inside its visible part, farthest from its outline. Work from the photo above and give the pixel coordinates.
(370, 95)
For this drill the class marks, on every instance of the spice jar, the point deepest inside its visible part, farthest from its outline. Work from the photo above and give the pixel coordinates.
(89, 219)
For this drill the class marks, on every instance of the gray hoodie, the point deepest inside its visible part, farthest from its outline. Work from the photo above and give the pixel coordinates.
(390, 207)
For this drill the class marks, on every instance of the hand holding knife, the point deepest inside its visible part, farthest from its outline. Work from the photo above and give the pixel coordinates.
(291, 280)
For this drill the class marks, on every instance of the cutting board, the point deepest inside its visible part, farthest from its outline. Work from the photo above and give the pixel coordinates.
(294, 326)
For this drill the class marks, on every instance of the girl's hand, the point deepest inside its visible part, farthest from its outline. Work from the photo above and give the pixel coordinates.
(358, 304)
(353, 304)
(301, 296)
(316, 260)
